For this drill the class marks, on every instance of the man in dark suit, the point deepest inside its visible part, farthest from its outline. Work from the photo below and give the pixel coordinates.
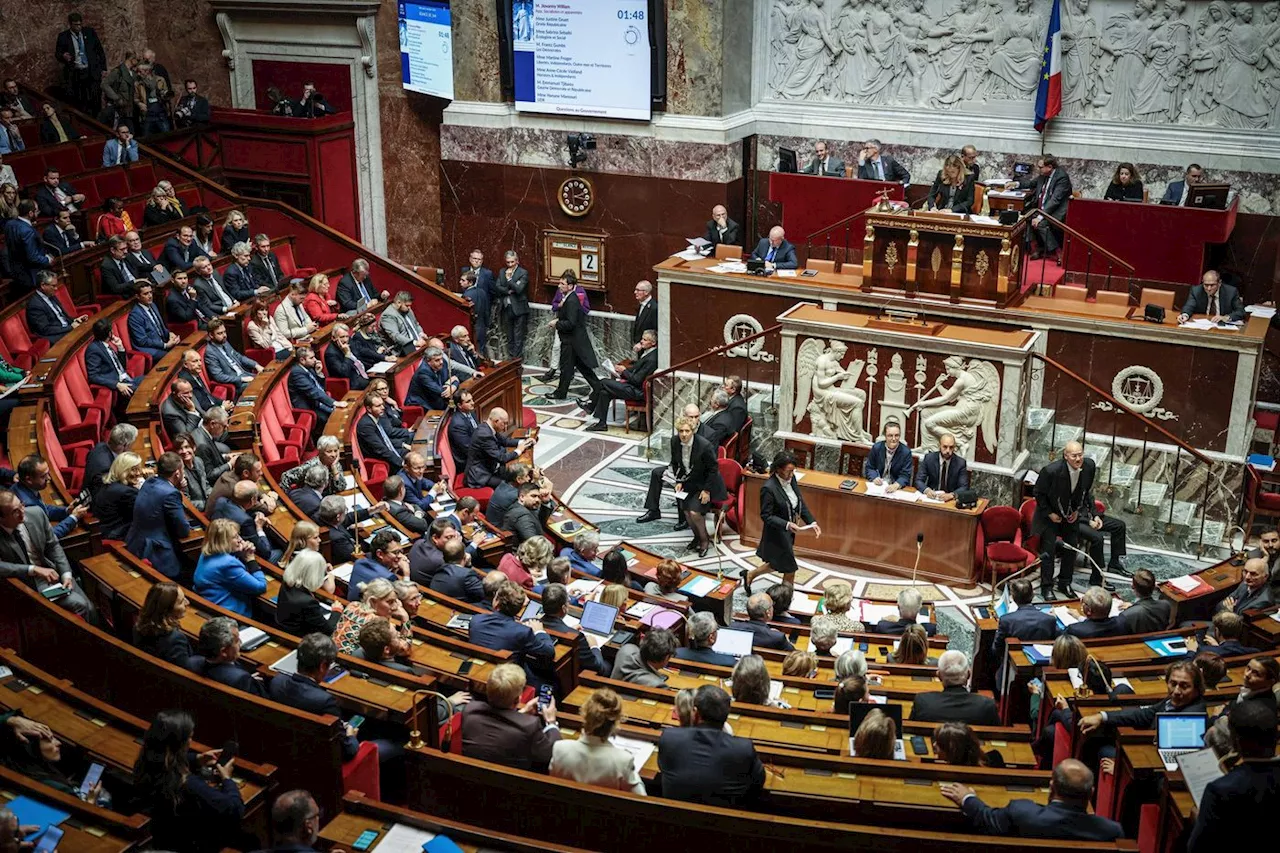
(1050, 194)
(889, 462)
(942, 472)
(341, 363)
(178, 412)
(1026, 623)
(909, 604)
(147, 331)
(180, 251)
(309, 494)
(1177, 191)
(514, 475)
(455, 579)
(240, 279)
(46, 318)
(356, 290)
(104, 362)
(159, 521)
(226, 364)
(476, 286)
(529, 643)
(140, 261)
(874, 165)
(759, 614)
(1064, 498)
(182, 304)
(954, 703)
(1066, 816)
(212, 294)
(410, 516)
(646, 315)
(555, 598)
(718, 426)
(702, 764)
(375, 441)
(737, 402)
(502, 730)
(426, 556)
(526, 516)
(1254, 591)
(628, 386)
(1146, 614)
(1224, 638)
(1219, 302)
(1249, 791)
(490, 449)
(1098, 621)
(266, 266)
(192, 107)
(431, 387)
(462, 426)
(61, 235)
(83, 59)
(702, 634)
(98, 462)
(824, 162)
(56, 194)
(192, 372)
(117, 278)
(461, 356)
(775, 251)
(23, 246)
(511, 289)
(721, 230)
(239, 509)
(306, 387)
(29, 550)
(219, 646)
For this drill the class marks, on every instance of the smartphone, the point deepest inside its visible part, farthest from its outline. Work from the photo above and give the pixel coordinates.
(464, 667)
(356, 722)
(824, 693)
(365, 841)
(545, 696)
(90, 779)
(229, 750)
(334, 674)
(48, 841)
(918, 745)
(862, 647)
(54, 592)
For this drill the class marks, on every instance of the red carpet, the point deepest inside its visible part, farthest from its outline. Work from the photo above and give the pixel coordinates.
(1044, 270)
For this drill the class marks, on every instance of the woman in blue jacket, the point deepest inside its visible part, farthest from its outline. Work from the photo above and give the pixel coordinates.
(226, 573)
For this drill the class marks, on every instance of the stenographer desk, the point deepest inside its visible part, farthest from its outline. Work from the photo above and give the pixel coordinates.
(814, 202)
(876, 533)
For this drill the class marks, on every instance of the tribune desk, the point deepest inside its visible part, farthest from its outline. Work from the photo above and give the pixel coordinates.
(876, 534)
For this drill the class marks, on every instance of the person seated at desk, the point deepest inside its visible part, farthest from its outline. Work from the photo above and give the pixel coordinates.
(528, 642)
(528, 514)
(381, 643)
(1254, 591)
(1225, 637)
(952, 189)
(643, 664)
(1249, 791)
(1178, 191)
(1269, 550)
(874, 165)
(969, 156)
(239, 509)
(411, 516)
(455, 579)
(704, 763)
(1146, 613)
(158, 630)
(942, 473)
(495, 730)
(592, 759)
(1066, 816)
(1050, 194)
(387, 560)
(1220, 302)
(824, 162)
(306, 387)
(490, 449)
(219, 645)
(225, 363)
(909, 603)
(837, 601)
(226, 573)
(954, 703)
(666, 582)
(721, 230)
(431, 387)
(298, 609)
(462, 425)
(555, 598)
(426, 556)
(702, 634)
(305, 689)
(104, 362)
(584, 553)
(759, 614)
(147, 331)
(1027, 623)
(782, 594)
(1098, 621)
(1125, 185)
(889, 461)
(629, 384)
(775, 251)
(1185, 683)
(380, 439)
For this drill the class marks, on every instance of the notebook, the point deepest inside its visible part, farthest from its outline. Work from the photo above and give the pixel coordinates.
(731, 642)
(1178, 734)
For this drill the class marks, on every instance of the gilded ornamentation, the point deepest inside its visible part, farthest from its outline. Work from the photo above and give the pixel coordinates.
(935, 260)
(982, 264)
(891, 256)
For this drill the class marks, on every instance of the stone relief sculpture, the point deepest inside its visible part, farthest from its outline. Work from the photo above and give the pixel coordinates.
(828, 392)
(1206, 62)
(967, 409)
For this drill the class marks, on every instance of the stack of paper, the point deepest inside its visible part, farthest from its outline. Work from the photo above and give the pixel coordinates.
(874, 489)
(404, 839)
(641, 750)
(903, 495)
(342, 571)
(1065, 616)
(1263, 311)
(582, 587)
(381, 367)
(801, 603)
(699, 586)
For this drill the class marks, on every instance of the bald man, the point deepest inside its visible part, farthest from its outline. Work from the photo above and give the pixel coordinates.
(775, 251)
(721, 229)
(1066, 817)
(491, 448)
(1254, 592)
(1064, 499)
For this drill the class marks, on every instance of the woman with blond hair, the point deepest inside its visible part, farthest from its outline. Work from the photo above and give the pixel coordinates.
(316, 303)
(113, 503)
(614, 595)
(800, 665)
(876, 736)
(837, 601)
(298, 609)
(8, 201)
(953, 188)
(235, 229)
(591, 759)
(305, 535)
(227, 572)
(377, 599)
(528, 565)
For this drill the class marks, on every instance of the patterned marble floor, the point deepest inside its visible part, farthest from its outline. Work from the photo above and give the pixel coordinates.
(604, 476)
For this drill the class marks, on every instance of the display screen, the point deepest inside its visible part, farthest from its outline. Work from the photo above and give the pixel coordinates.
(426, 47)
(582, 57)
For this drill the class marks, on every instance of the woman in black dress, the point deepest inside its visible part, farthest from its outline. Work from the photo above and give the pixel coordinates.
(159, 628)
(784, 512)
(1126, 185)
(570, 324)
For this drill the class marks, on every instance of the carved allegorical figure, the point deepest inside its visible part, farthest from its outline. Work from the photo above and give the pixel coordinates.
(1157, 96)
(1206, 59)
(836, 410)
(1016, 50)
(966, 409)
(962, 59)
(1079, 40)
(1240, 100)
(815, 48)
(1126, 40)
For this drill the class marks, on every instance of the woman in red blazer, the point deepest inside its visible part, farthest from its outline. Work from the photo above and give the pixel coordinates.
(317, 304)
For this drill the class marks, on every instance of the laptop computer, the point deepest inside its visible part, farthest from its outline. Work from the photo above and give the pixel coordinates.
(1021, 170)
(597, 622)
(731, 642)
(1177, 734)
(858, 712)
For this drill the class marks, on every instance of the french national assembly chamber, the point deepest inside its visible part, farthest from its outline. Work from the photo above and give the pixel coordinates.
(621, 425)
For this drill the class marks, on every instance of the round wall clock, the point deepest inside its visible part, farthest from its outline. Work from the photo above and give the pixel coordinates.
(577, 196)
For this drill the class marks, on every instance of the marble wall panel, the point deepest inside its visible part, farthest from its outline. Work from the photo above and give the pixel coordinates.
(185, 37)
(476, 75)
(643, 219)
(695, 56)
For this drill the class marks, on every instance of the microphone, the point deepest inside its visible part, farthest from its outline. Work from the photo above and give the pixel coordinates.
(919, 545)
(1086, 555)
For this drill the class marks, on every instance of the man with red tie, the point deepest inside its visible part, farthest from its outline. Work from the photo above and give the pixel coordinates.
(1051, 191)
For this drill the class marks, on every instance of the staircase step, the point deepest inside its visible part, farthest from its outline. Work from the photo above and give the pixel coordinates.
(1038, 419)
(1151, 495)
(1122, 476)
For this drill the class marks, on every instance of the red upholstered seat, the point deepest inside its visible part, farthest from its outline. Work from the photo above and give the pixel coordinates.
(449, 472)
(26, 350)
(731, 473)
(999, 541)
(74, 423)
(361, 773)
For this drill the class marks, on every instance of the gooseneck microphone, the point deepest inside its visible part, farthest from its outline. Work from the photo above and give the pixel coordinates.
(919, 545)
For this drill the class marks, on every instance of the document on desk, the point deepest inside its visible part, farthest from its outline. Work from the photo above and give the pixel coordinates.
(381, 367)
(925, 499)
(786, 273)
(1198, 769)
(1264, 311)
(641, 750)
(357, 500)
(1065, 616)
(801, 603)
(901, 495)
(699, 586)
(1185, 583)
(877, 490)
(404, 839)
(342, 571)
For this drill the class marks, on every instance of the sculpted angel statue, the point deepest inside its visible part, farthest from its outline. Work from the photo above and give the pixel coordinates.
(837, 402)
(967, 406)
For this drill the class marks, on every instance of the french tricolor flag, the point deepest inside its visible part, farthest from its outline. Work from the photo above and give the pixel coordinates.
(1049, 92)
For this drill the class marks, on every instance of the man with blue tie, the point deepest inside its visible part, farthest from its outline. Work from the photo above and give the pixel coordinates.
(462, 425)
(224, 362)
(61, 235)
(210, 292)
(1028, 624)
(46, 317)
(240, 279)
(775, 251)
(105, 364)
(22, 243)
(375, 441)
(873, 165)
(306, 387)
(889, 462)
(464, 358)
(356, 290)
(431, 387)
(147, 332)
(942, 471)
(120, 150)
(159, 521)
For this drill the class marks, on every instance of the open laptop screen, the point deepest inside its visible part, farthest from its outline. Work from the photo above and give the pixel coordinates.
(1180, 731)
(598, 618)
(858, 712)
(736, 643)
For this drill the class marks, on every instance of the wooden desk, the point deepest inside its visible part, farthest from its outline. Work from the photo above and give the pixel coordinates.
(1221, 578)
(876, 534)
